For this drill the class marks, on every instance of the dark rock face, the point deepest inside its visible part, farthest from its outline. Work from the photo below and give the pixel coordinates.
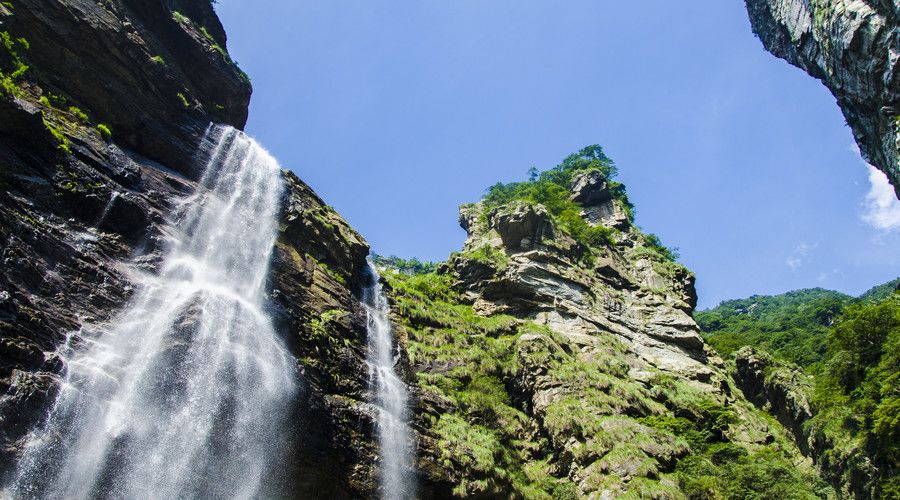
(81, 210)
(784, 393)
(156, 79)
(65, 225)
(852, 48)
(76, 204)
(317, 274)
(591, 190)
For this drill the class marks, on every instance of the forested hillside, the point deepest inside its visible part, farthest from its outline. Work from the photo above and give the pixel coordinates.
(827, 366)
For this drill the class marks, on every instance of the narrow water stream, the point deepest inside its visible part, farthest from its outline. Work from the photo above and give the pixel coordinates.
(390, 398)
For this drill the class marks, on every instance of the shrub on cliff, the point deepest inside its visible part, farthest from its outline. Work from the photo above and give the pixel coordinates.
(406, 266)
(551, 188)
(852, 347)
(11, 65)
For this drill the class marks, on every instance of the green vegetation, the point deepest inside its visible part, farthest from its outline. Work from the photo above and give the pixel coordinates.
(335, 275)
(851, 347)
(80, 115)
(52, 100)
(11, 65)
(672, 435)
(791, 326)
(213, 43)
(487, 254)
(62, 141)
(319, 326)
(487, 438)
(880, 292)
(551, 189)
(406, 266)
(158, 60)
(725, 470)
(715, 467)
(184, 101)
(180, 18)
(857, 391)
(104, 131)
(665, 253)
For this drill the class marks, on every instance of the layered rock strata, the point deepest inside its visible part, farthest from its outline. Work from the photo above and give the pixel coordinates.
(547, 368)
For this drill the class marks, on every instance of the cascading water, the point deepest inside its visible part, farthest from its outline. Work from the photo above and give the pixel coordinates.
(390, 397)
(180, 396)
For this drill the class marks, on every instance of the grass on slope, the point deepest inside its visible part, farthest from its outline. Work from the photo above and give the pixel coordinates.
(670, 436)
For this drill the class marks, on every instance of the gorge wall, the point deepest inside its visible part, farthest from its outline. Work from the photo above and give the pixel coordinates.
(853, 47)
(102, 108)
(786, 392)
(555, 356)
(95, 143)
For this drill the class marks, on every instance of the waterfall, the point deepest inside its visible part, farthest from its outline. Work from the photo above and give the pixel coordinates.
(390, 397)
(181, 395)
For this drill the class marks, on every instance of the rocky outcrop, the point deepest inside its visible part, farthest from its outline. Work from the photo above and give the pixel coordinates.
(778, 389)
(156, 73)
(317, 272)
(626, 288)
(547, 367)
(784, 391)
(592, 191)
(853, 47)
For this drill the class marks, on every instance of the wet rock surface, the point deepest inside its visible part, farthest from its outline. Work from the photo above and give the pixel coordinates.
(82, 210)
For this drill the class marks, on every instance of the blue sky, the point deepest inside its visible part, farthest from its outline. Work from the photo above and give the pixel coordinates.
(397, 111)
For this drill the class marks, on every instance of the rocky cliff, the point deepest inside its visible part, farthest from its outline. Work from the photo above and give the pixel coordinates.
(548, 367)
(103, 107)
(853, 47)
(554, 356)
(94, 144)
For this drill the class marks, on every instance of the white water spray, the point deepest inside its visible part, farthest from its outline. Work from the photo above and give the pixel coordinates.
(390, 397)
(182, 395)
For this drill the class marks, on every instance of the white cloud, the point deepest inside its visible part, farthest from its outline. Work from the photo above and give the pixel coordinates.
(882, 209)
(798, 257)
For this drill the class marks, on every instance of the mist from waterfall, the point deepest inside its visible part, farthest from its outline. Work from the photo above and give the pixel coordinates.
(390, 397)
(182, 395)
